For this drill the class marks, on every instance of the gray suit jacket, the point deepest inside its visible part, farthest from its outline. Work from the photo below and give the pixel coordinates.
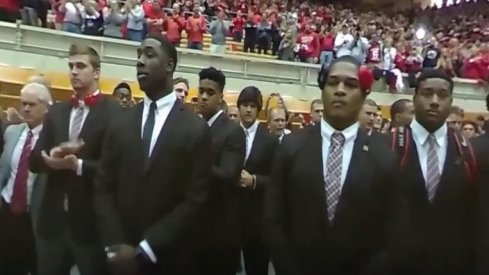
(11, 136)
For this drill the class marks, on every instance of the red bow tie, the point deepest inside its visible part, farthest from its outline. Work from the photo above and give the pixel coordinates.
(89, 100)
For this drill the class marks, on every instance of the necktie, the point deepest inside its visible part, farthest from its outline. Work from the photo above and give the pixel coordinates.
(77, 124)
(148, 129)
(18, 202)
(433, 168)
(333, 173)
(247, 144)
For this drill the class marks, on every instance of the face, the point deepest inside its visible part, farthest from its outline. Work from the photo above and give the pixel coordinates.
(248, 113)
(317, 112)
(154, 66)
(368, 116)
(468, 130)
(32, 108)
(432, 103)
(276, 122)
(83, 75)
(233, 113)
(406, 116)
(124, 97)
(454, 121)
(342, 97)
(181, 90)
(209, 98)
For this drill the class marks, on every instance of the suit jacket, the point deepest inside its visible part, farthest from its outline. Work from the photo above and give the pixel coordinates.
(437, 238)
(259, 163)
(300, 236)
(79, 189)
(229, 150)
(11, 137)
(481, 219)
(156, 201)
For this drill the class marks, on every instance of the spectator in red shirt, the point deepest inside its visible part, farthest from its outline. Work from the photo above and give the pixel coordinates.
(196, 27)
(10, 10)
(173, 25)
(238, 26)
(374, 52)
(154, 16)
(308, 45)
(326, 38)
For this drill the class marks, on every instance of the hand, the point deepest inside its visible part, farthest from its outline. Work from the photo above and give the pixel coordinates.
(67, 162)
(71, 147)
(122, 259)
(246, 179)
(13, 116)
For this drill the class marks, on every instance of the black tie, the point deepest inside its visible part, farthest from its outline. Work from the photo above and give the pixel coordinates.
(148, 129)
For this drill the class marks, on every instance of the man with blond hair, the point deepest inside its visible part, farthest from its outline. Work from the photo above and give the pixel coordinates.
(20, 190)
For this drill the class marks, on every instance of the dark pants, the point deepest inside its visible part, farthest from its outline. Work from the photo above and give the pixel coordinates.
(18, 252)
(57, 255)
(8, 16)
(255, 256)
(219, 260)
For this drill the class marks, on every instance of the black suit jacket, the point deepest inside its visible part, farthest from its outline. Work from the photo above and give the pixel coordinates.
(229, 149)
(81, 217)
(481, 218)
(259, 163)
(300, 236)
(437, 238)
(159, 200)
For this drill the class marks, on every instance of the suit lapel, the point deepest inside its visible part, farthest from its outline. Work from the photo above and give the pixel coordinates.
(256, 145)
(170, 126)
(90, 120)
(9, 151)
(64, 121)
(451, 167)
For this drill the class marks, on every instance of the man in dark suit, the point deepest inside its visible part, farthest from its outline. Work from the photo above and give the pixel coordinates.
(221, 254)
(154, 174)
(66, 224)
(439, 186)
(332, 195)
(255, 176)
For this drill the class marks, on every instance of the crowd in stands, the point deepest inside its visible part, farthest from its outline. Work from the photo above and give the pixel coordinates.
(454, 38)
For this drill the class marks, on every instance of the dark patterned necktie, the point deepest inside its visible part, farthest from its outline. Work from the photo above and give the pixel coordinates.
(333, 173)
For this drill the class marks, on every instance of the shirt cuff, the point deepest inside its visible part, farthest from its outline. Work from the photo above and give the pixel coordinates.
(79, 167)
(147, 249)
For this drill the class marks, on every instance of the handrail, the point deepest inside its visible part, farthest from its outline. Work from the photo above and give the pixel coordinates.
(119, 51)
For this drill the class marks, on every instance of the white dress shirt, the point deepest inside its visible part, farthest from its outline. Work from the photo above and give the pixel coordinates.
(285, 132)
(250, 137)
(420, 136)
(163, 108)
(350, 135)
(86, 110)
(8, 190)
(213, 118)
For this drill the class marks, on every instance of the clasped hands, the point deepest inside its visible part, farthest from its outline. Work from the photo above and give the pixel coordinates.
(62, 157)
(246, 180)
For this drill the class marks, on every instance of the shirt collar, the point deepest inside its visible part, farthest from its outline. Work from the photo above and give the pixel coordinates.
(252, 128)
(349, 133)
(35, 131)
(213, 118)
(421, 134)
(162, 102)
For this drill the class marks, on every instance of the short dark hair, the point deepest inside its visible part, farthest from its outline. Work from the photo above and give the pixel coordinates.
(398, 107)
(167, 47)
(457, 111)
(215, 75)
(181, 80)
(122, 85)
(316, 101)
(433, 73)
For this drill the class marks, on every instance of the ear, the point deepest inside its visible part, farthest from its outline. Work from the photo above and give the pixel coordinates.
(170, 66)
(96, 73)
